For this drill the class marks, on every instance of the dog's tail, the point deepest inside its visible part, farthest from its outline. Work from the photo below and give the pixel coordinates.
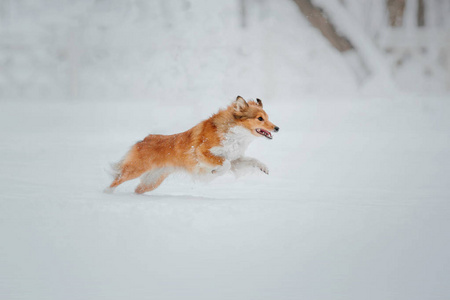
(115, 169)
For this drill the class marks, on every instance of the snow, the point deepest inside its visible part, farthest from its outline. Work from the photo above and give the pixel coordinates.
(355, 207)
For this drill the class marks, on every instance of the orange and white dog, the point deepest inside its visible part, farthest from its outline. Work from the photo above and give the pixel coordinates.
(214, 146)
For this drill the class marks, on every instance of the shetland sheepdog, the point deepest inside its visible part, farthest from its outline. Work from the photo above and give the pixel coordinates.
(214, 146)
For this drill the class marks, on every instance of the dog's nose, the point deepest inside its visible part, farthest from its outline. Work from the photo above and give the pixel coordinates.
(276, 128)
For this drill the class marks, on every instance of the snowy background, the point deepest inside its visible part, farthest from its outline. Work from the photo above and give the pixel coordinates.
(356, 205)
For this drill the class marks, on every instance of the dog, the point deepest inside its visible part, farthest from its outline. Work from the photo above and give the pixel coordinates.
(214, 147)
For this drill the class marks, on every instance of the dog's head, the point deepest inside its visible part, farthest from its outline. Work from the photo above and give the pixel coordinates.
(252, 116)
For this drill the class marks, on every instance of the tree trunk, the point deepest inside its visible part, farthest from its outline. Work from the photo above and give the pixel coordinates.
(395, 10)
(243, 13)
(421, 14)
(318, 20)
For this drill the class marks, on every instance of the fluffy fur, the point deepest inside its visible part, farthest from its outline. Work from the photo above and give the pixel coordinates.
(214, 146)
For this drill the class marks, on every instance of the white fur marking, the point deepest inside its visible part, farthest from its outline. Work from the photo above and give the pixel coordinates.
(234, 144)
(153, 175)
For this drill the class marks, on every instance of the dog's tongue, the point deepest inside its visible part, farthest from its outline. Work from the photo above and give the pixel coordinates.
(265, 133)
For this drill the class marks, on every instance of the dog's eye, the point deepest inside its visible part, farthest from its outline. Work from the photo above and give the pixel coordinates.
(261, 119)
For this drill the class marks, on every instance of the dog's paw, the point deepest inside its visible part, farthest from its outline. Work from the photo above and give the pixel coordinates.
(108, 190)
(263, 168)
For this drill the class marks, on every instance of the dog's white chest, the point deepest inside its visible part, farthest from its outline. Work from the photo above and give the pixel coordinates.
(234, 144)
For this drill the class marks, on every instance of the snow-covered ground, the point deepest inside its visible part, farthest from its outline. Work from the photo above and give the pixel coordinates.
(356, 205)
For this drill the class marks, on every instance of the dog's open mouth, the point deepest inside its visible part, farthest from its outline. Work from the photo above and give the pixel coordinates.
(264, 133)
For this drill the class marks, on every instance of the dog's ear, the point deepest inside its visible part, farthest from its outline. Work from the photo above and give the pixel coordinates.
(240, 104)
(259, 102)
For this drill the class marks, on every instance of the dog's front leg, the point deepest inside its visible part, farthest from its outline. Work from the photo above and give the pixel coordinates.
(247, 163)
(225, 167)
(219, 164)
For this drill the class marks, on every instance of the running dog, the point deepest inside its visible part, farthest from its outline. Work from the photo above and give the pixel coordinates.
(214, 146)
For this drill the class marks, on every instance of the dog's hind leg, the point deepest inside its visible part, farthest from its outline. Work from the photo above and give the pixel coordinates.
(128, 172)
(151, 180)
